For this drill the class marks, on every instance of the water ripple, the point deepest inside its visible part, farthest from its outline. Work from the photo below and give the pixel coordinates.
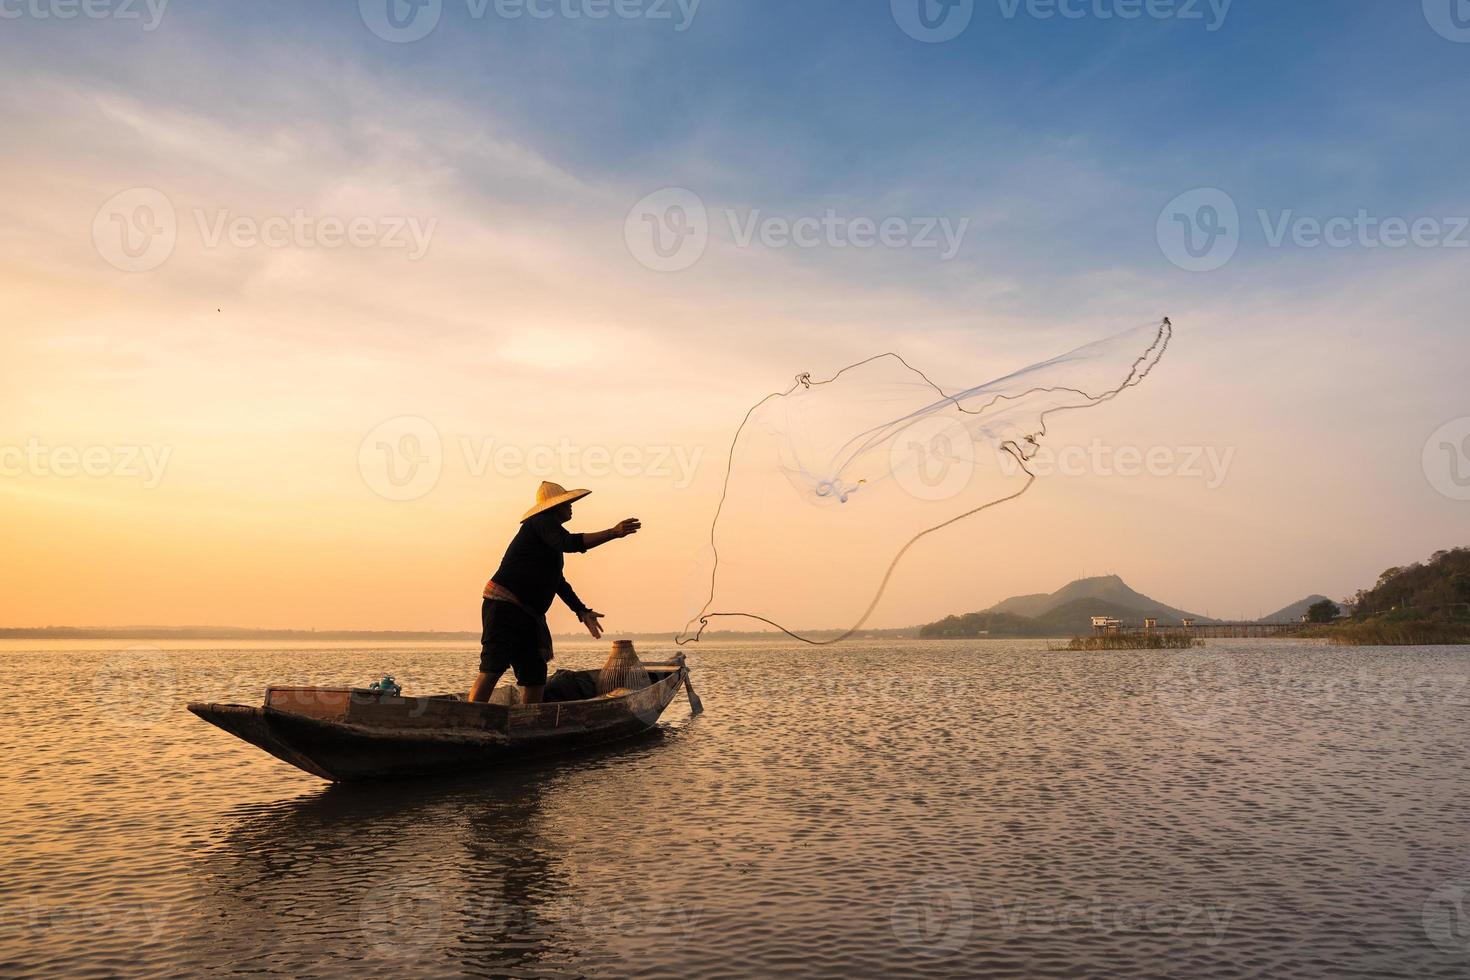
(925, 810)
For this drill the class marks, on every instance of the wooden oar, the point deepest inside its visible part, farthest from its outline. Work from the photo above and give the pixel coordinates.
(695, 704)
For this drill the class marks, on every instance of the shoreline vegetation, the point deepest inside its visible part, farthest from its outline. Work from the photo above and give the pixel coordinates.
(1423, 604)
(1386, 632)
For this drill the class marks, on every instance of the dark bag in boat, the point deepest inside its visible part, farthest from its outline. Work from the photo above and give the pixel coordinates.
(570, 685)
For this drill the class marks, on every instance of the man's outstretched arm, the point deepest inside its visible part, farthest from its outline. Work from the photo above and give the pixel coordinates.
(620, 530)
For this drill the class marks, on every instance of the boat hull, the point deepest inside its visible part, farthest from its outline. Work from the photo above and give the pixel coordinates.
(346, 735)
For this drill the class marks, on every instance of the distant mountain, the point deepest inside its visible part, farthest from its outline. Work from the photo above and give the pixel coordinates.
(1024, 605)
(1292, 613)
(1104, 589)
(1065, 612)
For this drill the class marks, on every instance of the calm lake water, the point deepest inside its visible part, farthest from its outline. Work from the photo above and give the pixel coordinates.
(915, 809)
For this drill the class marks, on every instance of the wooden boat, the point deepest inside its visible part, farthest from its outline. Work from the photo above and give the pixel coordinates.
(351, 734)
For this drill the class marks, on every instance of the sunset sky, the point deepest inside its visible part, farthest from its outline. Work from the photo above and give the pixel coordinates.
(193, 424)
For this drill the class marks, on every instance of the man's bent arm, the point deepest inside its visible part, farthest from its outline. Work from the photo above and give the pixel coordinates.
(576, 605)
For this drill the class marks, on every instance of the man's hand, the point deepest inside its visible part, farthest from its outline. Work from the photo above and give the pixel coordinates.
(593, 539)
(590, 620)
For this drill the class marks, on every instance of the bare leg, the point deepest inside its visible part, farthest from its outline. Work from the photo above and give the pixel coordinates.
(532, 695)
(484, 686)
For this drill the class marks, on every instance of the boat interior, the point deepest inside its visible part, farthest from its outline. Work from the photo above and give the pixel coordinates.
(566, 686)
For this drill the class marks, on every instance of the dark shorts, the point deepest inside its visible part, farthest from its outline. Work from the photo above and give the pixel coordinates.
(511, 637)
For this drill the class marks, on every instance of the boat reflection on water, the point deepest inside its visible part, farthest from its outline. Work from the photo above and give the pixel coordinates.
(460, 875)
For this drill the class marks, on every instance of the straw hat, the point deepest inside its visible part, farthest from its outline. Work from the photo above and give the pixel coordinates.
(549, 496)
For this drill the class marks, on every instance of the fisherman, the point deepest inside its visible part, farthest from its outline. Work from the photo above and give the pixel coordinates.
(513, 615)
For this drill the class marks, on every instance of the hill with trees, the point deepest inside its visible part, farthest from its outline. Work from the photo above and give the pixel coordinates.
(1423, 603)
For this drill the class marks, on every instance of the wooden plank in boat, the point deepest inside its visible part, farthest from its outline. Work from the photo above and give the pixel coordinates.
(427, 713)
(323, 703)
(364, 707)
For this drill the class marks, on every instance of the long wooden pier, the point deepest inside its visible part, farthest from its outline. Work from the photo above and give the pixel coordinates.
(1214, 630)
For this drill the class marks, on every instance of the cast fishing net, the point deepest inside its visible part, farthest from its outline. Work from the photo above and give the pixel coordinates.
(831, 481)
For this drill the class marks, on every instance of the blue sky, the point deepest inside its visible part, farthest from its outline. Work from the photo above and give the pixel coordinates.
(1079, 130)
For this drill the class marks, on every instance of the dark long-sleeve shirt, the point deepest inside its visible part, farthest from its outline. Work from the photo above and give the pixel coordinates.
(532, 569)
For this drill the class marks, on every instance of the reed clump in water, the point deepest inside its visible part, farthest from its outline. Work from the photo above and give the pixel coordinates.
(622, 670)
(1134, 641)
